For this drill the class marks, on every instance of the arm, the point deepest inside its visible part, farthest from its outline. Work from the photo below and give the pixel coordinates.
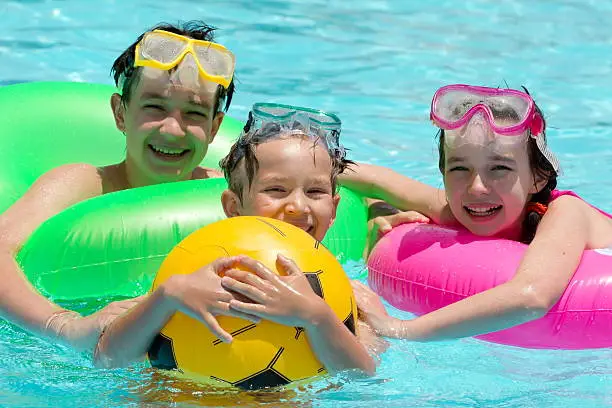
(199, 295)
(19, 301)
(290, 300)
(398, 190)
(542, 276)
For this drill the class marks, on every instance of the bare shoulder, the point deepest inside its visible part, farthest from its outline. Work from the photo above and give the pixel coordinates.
(205, 173)
(577, 214)
(51, 193)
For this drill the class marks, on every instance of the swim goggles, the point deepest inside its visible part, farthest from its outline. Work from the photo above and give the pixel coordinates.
(165, 50)
(267, 120)
(506, 111)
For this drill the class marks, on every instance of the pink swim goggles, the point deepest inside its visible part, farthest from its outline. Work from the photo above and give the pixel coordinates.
(508, 112)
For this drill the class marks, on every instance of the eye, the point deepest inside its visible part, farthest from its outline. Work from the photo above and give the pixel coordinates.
(501, 167)
(274, 189)
(153, 107)
(197, 114)
(458, 168)
(317, 191)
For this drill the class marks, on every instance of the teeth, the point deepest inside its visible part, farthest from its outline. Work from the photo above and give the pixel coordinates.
(168, 150)
(483, 210)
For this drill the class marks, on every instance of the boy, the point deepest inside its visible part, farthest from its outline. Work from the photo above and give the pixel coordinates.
(170, 109)
(284, 166)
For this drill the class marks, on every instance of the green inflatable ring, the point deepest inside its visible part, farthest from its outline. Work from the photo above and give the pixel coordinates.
(112, 245)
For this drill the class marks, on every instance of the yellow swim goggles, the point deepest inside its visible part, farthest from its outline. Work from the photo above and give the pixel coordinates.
(165, 50)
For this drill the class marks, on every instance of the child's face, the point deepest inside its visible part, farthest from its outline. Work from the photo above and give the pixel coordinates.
(168, 128)
(488, 184)
(293, 184)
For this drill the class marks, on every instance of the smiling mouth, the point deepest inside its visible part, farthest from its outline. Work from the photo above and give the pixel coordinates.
(170, 152)
(308, 228)
(483, 211)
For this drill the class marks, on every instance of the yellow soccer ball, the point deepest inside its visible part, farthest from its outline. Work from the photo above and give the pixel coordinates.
(262, 355)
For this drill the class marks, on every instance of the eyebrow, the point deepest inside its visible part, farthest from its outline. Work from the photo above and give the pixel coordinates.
(495, 157)
(191, 100)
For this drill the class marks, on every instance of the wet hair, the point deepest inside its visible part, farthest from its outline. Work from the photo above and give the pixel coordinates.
(244, 151)
(540, 167)
(123, 69)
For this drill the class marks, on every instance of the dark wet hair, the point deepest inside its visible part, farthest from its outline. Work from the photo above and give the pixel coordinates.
(244, 150)
(540, 167)
(123, 68)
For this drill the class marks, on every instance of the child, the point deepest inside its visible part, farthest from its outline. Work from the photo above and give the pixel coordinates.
(283, 166)
(499, 179)
(170, 109)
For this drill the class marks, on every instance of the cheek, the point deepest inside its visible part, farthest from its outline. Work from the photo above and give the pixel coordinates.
(262, 205)
(200, 132)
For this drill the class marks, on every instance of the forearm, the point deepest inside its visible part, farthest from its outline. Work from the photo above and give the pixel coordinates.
(499, 308)
(20, 303)
(336, 347)
(128, 338)
(396, 189)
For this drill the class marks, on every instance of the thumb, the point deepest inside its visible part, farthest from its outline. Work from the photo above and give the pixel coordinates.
(288, 265)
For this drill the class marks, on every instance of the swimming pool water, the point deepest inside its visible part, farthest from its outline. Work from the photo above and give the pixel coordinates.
(376, 63)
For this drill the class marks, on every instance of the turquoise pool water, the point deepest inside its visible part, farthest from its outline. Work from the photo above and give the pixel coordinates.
(376, 63)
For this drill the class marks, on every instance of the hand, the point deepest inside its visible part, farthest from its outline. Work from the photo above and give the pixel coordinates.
(385, 223)
(83, 332)
(288, 300)
(370, 307)
(201, 296)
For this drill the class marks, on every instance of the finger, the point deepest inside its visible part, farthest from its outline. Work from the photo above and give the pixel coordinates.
(221, 264)
(248, 278)
(216, 329)
(244, 289)
(224, 309)
(407, 217)
(254, 309)
(358, 285)
(288, 265)
(259, 269)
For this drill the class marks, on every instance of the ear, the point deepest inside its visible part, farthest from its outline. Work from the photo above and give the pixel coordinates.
(539, 182)
(231, 203)
(118, 111)
(336, 201)
(216, 124)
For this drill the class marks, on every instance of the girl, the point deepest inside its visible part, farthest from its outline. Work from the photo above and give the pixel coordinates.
(499, 179)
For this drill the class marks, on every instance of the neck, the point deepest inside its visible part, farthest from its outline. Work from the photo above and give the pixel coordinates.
(134, 177)
(513, 233)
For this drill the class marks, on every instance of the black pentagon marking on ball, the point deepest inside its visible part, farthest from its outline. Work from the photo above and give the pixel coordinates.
(161, 353)
(273, 227)
(315, 282)
(235, 333)
(349, 322)
(266, 378)
(298, 331)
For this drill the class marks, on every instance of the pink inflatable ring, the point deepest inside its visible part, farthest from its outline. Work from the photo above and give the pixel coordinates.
(420, 268)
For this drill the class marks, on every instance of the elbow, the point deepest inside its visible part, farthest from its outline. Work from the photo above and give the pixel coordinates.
(536, 302)
(369, 368)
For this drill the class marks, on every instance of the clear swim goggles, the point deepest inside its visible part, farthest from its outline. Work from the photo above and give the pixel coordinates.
(269, 119)
(165, 50)
(510, 114)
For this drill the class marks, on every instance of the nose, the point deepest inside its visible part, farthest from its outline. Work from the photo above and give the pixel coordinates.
(296, 204)
(478, 186)
(172, 125)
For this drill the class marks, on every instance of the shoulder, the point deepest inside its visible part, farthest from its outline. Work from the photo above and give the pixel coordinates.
(205, 172)
(80, 179)
(51, 193)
